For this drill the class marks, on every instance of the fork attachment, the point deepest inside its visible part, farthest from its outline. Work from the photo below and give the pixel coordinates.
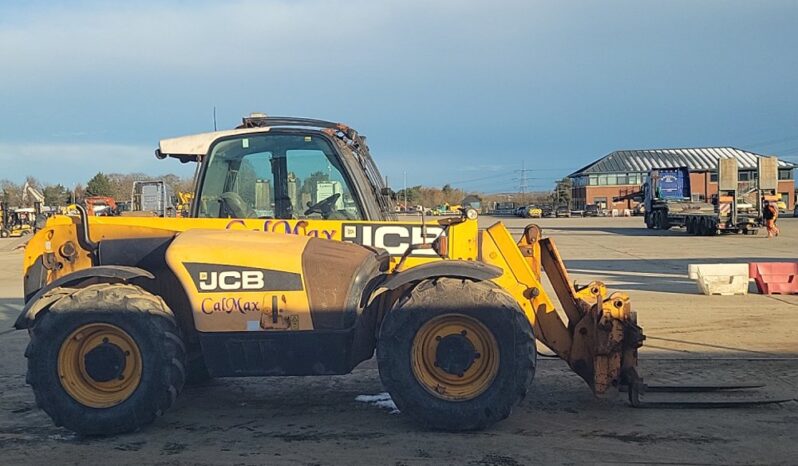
(637, 391)
(599, 336)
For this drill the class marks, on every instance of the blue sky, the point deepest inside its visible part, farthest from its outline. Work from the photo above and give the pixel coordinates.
(450, 91)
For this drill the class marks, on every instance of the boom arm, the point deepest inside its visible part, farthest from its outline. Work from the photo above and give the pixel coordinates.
(599, 336)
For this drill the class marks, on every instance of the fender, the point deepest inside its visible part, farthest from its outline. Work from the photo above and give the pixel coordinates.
(477, 271)
(40, 300)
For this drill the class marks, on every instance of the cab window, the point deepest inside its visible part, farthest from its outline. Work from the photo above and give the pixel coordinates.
(276, 176)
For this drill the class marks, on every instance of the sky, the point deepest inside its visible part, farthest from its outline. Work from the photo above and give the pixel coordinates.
(466, 93)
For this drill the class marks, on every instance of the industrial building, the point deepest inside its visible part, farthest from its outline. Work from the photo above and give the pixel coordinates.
(622, 172)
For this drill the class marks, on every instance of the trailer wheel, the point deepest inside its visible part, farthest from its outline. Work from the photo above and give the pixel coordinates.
(689, 225)
(4, 233)
(712, 228)
(456, 355)
(649, 221)
(106, 359)
(662, 221)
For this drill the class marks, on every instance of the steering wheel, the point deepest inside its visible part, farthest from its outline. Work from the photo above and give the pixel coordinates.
(235, 205)
(324, 207)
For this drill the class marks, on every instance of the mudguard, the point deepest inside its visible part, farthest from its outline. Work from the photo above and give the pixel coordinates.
(40, 300)
(477, 271)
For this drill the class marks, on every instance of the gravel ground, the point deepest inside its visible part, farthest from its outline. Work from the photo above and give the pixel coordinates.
(295, 420)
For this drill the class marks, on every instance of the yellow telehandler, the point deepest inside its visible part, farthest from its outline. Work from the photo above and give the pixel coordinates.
(291, 262)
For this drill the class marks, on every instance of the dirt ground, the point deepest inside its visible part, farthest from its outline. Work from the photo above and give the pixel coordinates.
(691, 338)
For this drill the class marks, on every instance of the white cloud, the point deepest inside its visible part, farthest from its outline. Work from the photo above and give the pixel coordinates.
(70, 163)
(223, 38)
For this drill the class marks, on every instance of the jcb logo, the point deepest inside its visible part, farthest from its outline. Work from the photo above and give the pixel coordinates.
(231, 280)
(209, 278)
(393, 238)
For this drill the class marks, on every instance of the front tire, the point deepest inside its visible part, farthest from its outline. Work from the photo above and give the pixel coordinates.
(106, 359)
(456, 355)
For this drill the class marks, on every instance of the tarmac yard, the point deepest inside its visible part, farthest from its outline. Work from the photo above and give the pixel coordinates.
(692, 339)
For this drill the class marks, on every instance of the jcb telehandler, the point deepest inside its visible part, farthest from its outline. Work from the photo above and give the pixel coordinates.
(292, 263)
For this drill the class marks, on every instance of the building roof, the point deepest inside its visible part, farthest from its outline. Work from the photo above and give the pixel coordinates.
(696, 159)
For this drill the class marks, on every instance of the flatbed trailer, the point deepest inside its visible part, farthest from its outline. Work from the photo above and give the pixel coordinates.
(699, 218)
(668, 202)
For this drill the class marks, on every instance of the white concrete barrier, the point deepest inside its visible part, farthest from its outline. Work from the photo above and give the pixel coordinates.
(722, 279)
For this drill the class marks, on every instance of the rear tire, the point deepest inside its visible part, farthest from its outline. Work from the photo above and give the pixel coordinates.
(462, 398)
(663, 223)
(67, 370)
(4, 233)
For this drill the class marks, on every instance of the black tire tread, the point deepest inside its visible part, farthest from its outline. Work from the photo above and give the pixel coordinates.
(417, 407)
(118, 299)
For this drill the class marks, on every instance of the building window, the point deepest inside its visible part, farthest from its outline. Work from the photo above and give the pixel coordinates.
(612, 179)
(600, 201)
(743, 176)
(713, 177)
(785, 174)
(623, 179)
(697, 197)
(602, 180)
(593, 180)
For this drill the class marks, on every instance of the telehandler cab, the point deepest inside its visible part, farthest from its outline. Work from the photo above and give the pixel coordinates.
(292, 263)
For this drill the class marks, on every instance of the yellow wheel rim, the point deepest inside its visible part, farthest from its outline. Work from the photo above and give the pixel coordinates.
(99, 365)
(455, 357)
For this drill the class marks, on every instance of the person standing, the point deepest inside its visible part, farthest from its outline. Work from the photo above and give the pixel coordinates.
(770, 214)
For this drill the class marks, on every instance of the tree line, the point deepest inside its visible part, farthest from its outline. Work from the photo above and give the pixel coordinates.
(120, 187)
(431, 196)
(116, 185)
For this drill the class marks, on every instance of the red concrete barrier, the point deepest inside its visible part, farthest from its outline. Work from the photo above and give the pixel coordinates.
(775, 277)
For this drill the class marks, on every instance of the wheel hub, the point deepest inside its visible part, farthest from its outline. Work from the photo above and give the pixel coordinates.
(455, 354)
(105, 362)
(455, 357)
(99, 365)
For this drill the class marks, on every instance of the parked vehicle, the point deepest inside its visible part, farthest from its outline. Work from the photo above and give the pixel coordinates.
(533, 212)
(562, 211)
(669, 204)
(592, 210)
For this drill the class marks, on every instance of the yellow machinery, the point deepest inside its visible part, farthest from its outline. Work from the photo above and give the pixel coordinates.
(16, 223)
(293, 264)
(184, 199)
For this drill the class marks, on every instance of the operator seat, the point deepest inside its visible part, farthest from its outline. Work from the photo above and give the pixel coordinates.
(235, 205)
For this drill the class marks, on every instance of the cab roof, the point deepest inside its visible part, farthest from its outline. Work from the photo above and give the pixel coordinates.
(193, 147)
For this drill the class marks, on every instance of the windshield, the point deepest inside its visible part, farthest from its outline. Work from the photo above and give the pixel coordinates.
(283, 176)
